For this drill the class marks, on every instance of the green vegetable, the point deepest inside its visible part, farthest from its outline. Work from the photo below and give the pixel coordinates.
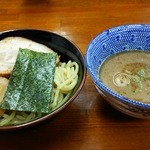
(31, 83)
(144, 73)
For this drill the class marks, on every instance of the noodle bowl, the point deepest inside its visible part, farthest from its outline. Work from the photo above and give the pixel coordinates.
(68, 80)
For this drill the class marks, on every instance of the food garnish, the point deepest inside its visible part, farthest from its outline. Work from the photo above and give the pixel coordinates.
(31, 82)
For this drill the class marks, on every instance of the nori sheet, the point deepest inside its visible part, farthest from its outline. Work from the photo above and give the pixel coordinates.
(31, 82)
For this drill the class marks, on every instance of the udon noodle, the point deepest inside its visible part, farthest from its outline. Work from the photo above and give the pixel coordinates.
(65, 79)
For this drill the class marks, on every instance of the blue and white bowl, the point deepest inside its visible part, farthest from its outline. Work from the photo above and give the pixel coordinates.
(109, 42)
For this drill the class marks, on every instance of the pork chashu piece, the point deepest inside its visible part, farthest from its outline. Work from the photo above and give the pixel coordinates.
(3, 88)
(9, 48)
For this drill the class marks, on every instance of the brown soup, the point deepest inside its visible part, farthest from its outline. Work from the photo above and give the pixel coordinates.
(128, 74)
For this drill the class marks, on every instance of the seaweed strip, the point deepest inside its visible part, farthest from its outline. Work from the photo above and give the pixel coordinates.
(31, 82)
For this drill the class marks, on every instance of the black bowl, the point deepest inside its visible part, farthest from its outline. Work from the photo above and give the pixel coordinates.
(63, 47)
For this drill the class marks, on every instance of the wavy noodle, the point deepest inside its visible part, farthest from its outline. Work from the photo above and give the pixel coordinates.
(65, 79)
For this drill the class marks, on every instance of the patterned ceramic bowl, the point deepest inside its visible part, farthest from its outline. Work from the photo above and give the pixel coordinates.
(112, 41)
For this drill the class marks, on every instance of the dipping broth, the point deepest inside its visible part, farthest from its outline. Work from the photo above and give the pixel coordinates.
(128, 74)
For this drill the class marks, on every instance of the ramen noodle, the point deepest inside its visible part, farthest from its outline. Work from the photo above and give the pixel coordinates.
(65, 79)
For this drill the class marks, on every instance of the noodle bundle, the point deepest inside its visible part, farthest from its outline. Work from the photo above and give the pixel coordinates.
(65, 79)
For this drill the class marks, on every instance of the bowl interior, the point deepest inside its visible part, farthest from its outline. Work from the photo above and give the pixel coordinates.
(63, 47)
(112, 41)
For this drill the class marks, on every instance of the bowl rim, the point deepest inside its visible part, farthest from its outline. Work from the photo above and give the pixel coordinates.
(95, 79)
(60, 108)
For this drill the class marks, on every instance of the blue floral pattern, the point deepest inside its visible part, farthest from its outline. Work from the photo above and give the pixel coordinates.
(112, 41)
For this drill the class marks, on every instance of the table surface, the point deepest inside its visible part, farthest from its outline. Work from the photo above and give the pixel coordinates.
(88, 123)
